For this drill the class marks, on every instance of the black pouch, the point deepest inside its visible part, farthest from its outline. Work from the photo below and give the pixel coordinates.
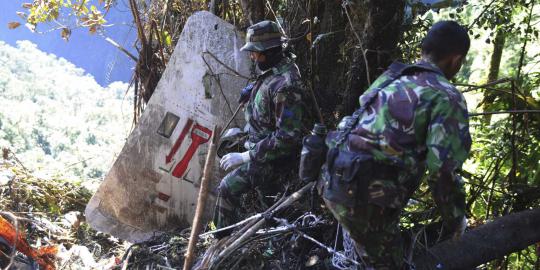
(384, 193)
(345, 177)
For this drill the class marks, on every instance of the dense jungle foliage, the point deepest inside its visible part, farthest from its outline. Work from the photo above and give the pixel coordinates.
(342, 46)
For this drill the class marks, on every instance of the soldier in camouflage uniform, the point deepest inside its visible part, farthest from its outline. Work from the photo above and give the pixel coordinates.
(274, 114)
(419, 120)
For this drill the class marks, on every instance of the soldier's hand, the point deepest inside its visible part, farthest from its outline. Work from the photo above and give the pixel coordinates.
(245, 93)
(233, 160)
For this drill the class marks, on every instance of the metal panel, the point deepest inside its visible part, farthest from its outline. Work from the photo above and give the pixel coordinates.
(153, 184)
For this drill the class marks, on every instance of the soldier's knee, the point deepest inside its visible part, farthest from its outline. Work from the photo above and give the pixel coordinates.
(223, 188)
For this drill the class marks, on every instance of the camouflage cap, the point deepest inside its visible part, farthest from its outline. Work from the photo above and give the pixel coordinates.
(262, 36)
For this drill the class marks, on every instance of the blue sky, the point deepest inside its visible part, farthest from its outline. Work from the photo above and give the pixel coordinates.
(90, 52)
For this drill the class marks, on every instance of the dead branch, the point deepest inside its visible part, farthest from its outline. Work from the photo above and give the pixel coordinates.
(122, 49)
(250, 229)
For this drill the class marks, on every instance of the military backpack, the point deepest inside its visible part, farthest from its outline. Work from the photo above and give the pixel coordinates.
(346, 174)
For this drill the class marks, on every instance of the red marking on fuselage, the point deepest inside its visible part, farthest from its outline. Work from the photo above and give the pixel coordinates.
(164, 197)
(179, 141)
(199, 135)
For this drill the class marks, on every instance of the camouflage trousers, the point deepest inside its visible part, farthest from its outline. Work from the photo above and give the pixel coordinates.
(264, 178)
(375, 230)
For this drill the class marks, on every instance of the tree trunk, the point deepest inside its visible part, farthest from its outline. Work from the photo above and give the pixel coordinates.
(338, 74)
(215, 7)
(488, 242)
(253, 10)
(379, 27)
(495, 63)
(494, 66)
(329, 61)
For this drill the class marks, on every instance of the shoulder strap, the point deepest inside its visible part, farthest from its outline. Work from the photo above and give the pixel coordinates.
(257, 85)
(394, 72)
(258, 82)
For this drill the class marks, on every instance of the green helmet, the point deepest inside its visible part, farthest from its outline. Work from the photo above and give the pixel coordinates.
(262, 36)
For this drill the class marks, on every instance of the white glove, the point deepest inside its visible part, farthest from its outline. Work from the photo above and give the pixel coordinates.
(460, 229)
(233, 160)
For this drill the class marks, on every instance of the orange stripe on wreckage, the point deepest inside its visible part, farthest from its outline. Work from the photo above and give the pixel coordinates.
(43, 256)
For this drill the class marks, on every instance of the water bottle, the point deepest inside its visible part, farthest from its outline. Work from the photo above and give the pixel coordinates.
(313, 154)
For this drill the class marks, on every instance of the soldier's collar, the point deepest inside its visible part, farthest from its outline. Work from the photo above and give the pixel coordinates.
(430, 65)
(280, 67)
(266, 73)
(283, 65)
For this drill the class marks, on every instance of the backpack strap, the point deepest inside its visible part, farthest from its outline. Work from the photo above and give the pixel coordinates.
(394, 72)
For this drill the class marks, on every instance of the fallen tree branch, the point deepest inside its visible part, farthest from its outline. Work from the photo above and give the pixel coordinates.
(503, 236)
(257, 216)
(251, 230)
(486, 85)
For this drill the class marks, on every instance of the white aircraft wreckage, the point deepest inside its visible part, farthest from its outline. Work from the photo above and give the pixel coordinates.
(153, 184)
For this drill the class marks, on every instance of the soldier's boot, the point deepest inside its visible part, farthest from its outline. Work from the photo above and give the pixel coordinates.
(223, 216)
(228, 200)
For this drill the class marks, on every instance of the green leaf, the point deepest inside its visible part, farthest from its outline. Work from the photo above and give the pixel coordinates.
(167, 38)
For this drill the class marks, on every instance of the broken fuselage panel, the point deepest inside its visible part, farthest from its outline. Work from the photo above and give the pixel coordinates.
(153, 184)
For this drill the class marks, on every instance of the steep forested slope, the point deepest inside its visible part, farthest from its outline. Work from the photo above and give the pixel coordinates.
(55, 117)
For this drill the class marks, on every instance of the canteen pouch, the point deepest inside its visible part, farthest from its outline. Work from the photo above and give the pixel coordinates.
(385, 193)
(345, 177)
(311, 160)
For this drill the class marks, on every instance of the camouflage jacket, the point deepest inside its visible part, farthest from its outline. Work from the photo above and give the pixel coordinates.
(274, 113)
(417, 121)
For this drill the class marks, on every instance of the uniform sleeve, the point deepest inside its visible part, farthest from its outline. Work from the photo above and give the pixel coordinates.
(286, 138)
(448, 143)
